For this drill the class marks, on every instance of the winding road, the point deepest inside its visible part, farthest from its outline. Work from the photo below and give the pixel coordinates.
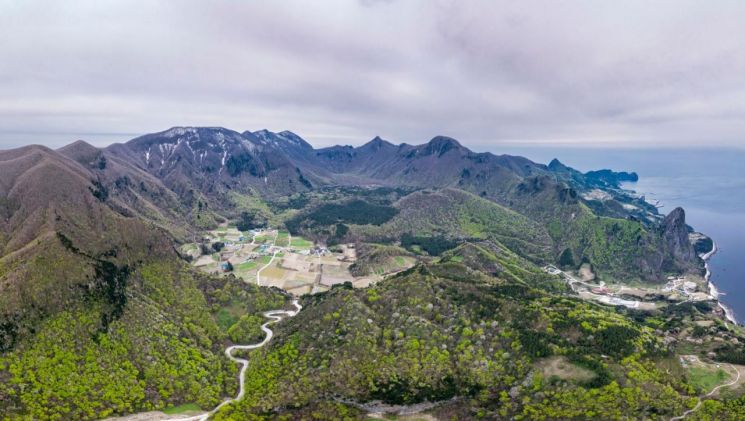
(713, 391)
(274, 316)
(276, 250)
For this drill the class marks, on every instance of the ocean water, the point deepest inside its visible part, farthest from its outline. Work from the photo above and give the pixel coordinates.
(708, 184)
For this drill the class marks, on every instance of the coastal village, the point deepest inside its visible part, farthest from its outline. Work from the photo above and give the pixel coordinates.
(677, 290)
(272, 257)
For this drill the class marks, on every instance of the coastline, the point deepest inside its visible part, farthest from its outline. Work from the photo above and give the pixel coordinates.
(713, 291)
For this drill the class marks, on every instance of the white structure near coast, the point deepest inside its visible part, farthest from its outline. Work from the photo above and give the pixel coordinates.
(713, 291)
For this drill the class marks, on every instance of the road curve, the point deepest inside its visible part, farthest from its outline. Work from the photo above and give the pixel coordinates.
(713, 391)
(258, 272)
(274, 316)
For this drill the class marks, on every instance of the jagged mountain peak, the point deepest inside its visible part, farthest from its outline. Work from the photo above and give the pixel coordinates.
(676, 218)
(189, 137)
(556, 165)
(286, 134)
(377, 143)
(214, 160)
(675, 233)
(189, 150)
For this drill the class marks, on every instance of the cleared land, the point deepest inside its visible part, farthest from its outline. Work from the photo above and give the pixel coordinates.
(298, 266)
(560, 367)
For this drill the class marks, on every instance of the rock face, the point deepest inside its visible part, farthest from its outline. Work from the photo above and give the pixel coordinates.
(214, 160)
(675, 234)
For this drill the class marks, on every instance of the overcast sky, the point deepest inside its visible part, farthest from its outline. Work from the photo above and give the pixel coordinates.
(489, 73)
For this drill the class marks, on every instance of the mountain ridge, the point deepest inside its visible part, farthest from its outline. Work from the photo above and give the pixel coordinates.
(88, 240)
(213, 169)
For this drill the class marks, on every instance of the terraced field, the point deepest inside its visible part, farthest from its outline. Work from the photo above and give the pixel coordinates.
(288, 262)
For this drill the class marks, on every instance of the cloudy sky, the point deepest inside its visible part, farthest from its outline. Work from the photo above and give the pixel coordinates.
(490, 73)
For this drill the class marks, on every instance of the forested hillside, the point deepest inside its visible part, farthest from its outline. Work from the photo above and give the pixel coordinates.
(100, 315)
(441, 332)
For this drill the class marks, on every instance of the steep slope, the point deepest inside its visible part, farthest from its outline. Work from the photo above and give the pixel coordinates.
(441, 162)
(164, 348)
(211, 161)
(131, 190)
(288, 142)
(675, 237)
(557, 197)
(98, 315)
(61, 240)
(217, 172)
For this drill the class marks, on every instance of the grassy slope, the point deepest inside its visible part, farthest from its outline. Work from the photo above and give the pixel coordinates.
(502, 262)
(455, 213)
(380, 259)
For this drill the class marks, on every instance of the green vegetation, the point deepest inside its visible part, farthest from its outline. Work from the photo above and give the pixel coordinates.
(715, 410)
(165, 348)
(439, 331)
(704, 378)
(226, 318)
(438, 219)
(247, 329)
(432, 245)
(300, 243)
(246, 266)
(477, 318)
(566, 260)
(380, 259)
(613, 246)
(731, 354)
(282, 239)
(356, 211)
(251, 219)
(250, 210)
(180, 409)
(100, 317)
(264, 239)
(202, 217)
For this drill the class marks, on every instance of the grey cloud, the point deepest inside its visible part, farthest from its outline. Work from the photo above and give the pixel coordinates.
(491, 73)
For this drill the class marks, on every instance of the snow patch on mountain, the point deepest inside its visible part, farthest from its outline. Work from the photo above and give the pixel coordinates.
(179, 131)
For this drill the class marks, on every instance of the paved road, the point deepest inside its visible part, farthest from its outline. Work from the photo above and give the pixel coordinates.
(275, 316)
(258, 273)
(277, 250)
(713, 391)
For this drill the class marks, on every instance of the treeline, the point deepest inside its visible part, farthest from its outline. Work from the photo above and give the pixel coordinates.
(434, 245)
(357, 212)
